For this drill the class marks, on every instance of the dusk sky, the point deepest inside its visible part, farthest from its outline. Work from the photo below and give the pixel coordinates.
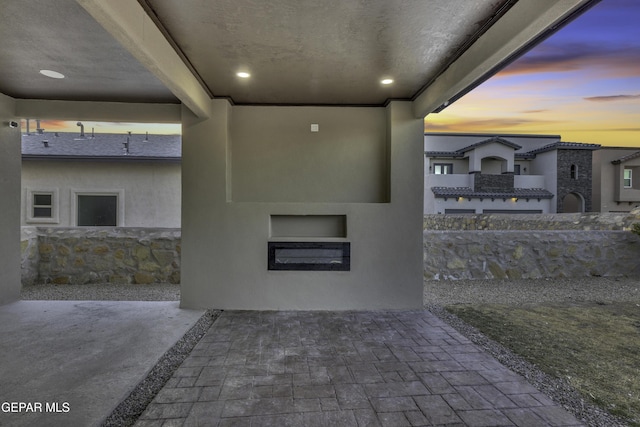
(582, 83)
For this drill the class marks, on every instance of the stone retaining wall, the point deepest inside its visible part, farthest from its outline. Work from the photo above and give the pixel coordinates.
(578, 221)
(100, 255)
(454, 255)
(495, 246)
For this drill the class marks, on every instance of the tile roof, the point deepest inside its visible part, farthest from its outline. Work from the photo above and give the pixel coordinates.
(565, 145)
(495, 139)
(625, 158)
(443, 154)
(467, 192)
(461, 151)
(104, 146)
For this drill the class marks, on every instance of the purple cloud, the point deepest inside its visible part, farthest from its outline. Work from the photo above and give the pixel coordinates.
(622, 61)
(610, 98)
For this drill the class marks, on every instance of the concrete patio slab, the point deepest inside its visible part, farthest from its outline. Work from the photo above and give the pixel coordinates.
(72, 362)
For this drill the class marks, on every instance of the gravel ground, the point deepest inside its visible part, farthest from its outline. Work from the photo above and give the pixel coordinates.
(437, 295)
(102, 292)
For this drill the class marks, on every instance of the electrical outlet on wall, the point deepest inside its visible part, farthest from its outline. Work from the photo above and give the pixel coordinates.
(315, 127)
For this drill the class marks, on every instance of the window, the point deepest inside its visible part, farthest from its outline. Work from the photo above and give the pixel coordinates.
(574, 172)
(42, 206)
(443, 168)
(98, 208)
(628, 182)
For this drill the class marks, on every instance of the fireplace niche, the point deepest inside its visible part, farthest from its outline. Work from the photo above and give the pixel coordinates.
(309, 256)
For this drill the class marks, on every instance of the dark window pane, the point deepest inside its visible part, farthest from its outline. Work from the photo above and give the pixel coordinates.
(42, 212)
(42, 199)
(97, 210)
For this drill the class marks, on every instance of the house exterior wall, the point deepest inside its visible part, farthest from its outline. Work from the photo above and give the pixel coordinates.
(10, 202)
(150, 191)
(496, 162)
(224, 240)
(608, 192)
(581, 184)
(491, 158)
(540, 166)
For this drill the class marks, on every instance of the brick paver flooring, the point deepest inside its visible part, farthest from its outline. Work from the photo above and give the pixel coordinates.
(257, 368)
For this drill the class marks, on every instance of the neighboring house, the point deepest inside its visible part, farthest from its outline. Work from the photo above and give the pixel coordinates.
(69, 179)
(616, 179)
(482, 173)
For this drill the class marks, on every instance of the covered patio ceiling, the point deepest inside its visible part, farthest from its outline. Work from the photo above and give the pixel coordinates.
(297, 52)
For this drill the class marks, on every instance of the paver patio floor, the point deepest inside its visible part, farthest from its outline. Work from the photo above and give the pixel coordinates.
(394, 368)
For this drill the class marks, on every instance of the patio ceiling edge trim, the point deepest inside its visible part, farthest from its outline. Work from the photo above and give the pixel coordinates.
(99, 111)
(523, 26)
(129, 24)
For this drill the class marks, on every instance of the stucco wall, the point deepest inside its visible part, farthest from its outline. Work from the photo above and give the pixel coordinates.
(151, 191)
(9, 203)
(225, 232)
(607, 178)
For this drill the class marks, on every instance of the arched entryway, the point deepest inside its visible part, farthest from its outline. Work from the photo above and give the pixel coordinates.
(572, 203)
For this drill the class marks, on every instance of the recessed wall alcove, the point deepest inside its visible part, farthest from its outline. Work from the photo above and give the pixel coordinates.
(308, 226)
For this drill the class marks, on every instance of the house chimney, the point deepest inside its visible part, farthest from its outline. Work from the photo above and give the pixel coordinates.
(93, 135)
(28, 127)
(38, 128)
(81, 129)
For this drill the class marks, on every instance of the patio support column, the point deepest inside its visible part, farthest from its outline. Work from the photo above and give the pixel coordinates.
(10, 167)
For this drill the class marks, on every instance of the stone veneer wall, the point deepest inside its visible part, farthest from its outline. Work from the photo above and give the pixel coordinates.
(100, 255)
(570, 221)
(582, 184)
(530, 246)
(30, 256)
(479, 246)
(454, 255)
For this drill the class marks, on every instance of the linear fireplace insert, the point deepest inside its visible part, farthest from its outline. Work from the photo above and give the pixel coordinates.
(309, 256)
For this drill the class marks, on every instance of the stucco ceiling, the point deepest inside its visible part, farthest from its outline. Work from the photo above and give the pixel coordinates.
(60, 35)
(297, 51)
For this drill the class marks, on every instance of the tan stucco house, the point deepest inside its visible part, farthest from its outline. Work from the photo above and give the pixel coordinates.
(116, 180)
(485, 173)
(616, 179)
(302, 123)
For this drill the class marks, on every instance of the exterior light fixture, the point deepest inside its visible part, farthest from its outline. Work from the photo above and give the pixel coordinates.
(243, 74)
(52, 74)
(386, 81)
(460, 199)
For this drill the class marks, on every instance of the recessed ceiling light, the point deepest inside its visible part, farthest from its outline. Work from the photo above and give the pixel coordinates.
(243, 75)
(386, 81)
(52, 74)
